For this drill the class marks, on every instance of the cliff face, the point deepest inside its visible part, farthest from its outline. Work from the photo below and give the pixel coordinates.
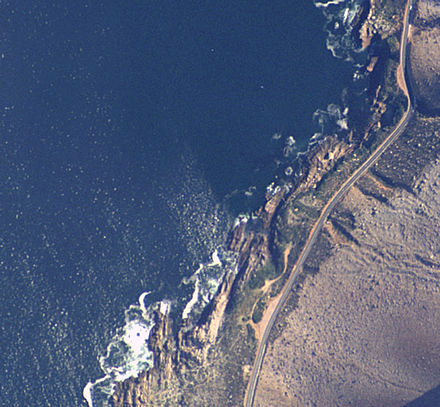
(198, 358)
(203, 357)
(383, 19)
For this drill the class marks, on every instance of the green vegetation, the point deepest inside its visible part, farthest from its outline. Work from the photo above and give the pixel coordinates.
(250, 333)
(295, 220)
(257, 315)
(298, 214)
(266, 272)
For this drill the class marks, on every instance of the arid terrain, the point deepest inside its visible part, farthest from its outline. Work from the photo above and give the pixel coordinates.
(425, 55)
(366, 329)
(363, 326)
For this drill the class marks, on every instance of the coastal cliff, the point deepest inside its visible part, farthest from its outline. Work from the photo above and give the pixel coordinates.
(184, 359)
(209, 363)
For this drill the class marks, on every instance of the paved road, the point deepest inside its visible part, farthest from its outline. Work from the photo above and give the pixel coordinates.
(398, 130)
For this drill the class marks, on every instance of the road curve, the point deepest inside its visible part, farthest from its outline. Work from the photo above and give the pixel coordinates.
(398, 130)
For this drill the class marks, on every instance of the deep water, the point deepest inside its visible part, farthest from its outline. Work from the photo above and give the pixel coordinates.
(129, 134)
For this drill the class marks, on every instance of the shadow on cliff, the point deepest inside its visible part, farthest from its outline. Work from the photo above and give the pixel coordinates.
(430, 399)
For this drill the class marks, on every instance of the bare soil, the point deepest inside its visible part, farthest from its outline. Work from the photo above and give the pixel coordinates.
(365, 330)
(425, 55)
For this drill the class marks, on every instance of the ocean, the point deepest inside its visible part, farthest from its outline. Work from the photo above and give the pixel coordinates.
(132, 134)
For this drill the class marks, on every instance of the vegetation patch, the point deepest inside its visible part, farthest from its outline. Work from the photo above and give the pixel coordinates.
(257, 315)
(266, 272)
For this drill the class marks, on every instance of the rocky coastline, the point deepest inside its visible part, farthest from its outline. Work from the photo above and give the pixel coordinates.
(210, 363)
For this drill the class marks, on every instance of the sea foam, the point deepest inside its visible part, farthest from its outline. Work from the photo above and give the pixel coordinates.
(206, 281)
(321, 4)
(128, 353)
(340, 15)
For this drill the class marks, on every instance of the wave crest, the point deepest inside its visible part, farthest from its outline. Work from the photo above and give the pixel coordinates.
(128, 353)
(341, 15)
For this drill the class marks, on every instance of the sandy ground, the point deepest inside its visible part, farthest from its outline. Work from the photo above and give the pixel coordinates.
(425, 55)
(366, 331)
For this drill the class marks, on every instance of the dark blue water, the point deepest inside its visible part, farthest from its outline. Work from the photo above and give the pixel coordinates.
(124, 125)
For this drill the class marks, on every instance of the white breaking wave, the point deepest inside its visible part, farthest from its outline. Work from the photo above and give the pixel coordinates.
(128, 353)
(215, 259)
(340, 17)
(207, 280)
(327, 119)
(328, 3)
(240, 219)
(342, 123)
(195, 297)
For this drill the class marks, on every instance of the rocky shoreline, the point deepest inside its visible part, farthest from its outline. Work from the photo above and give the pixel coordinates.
(210, 363)
(361, 327)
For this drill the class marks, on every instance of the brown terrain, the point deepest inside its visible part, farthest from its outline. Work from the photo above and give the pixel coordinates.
(363, 328)
(361, 325)
(425, 55)
(366, 328)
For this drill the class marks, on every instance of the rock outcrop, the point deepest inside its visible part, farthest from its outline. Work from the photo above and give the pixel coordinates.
(209, 364)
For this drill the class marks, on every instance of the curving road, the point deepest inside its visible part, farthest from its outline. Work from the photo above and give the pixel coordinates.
(398, 130)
